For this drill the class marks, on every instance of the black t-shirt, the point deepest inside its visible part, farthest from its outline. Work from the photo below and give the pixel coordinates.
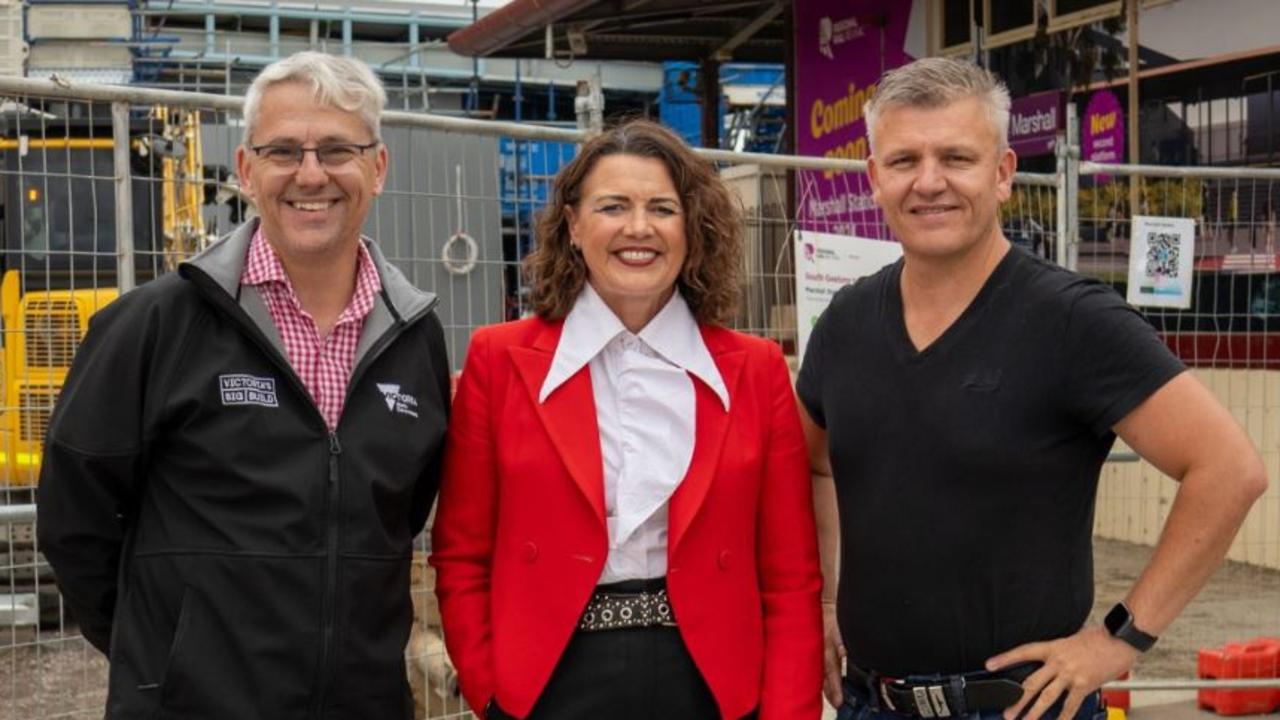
(966, 474)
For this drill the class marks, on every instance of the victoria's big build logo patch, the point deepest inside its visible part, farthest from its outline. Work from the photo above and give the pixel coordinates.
(242, 389)
(398, 402)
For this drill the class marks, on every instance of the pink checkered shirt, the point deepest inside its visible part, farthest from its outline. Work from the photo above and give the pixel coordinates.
(323, 364)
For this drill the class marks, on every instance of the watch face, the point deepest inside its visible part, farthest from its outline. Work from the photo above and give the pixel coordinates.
(1117, 618)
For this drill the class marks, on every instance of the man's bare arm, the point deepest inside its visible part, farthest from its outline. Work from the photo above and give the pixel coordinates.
(828, 521)
(1187, 434)
(1197, 441)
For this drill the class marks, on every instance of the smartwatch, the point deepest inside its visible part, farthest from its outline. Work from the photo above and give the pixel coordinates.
(1119, 622)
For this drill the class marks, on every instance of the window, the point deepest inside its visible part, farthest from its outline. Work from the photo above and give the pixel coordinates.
(1008, 21)
(951, 27)
(1070, 13)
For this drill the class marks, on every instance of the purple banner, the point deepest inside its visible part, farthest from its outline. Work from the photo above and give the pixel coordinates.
(842, 48)
(1034, 122)
(1102, 133)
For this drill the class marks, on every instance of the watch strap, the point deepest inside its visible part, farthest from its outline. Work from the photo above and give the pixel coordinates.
(1121, 626)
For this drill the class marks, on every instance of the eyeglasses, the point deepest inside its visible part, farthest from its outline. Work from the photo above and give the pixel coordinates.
(333, 155)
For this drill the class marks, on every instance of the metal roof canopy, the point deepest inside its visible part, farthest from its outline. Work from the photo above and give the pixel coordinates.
(706, 31)
(646, 30)
(1211, 78)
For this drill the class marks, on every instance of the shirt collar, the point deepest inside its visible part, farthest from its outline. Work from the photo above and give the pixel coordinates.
(673, 333)
(368, 285)
(264, 265)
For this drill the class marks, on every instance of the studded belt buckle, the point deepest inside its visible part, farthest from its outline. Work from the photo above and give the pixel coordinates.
(615, 611)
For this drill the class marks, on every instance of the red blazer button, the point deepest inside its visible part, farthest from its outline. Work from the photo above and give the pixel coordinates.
(530, 552)
(723, 559)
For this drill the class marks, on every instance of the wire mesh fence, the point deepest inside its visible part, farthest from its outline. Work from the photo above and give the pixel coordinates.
(83, 166)
(1228, 330)
(1226, 335)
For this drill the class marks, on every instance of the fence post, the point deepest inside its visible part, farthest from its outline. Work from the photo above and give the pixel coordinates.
(1072, 228)
(124, 195)
(589, 105)
(1067, 171)
(1060, 151)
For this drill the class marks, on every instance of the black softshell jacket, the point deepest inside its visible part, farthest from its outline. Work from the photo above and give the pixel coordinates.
(235, 559)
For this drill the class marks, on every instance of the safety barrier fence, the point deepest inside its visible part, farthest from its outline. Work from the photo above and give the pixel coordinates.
(81, 166)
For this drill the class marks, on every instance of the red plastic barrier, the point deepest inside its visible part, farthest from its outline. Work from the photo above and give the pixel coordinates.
(1117, 698)
(1258, 658)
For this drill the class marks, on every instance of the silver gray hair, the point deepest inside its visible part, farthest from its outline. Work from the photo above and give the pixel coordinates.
(340, 82)
(934, 82)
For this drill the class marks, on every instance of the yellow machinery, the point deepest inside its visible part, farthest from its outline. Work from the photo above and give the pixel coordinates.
(43, 326)
(42, 329)
(182, 177)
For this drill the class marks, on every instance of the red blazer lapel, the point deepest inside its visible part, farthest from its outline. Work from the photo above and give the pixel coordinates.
(711, 424)
(568, 415)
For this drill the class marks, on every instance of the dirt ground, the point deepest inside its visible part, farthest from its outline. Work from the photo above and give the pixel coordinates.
(1240, 602)
(54, 675)
(50, 675)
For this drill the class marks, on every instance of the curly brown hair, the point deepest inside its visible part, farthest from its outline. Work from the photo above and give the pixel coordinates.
(710, 278)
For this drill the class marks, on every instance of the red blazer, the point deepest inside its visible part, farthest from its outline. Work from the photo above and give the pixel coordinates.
(519, 539)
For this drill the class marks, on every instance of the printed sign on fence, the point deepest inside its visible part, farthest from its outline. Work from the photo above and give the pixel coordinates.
(1034, 123)
(824, 264)
(1102, 136)
(842, 48)
(1160, 260)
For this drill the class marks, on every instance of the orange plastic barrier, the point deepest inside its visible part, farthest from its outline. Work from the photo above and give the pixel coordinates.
(1258, 658)
(1117, 698)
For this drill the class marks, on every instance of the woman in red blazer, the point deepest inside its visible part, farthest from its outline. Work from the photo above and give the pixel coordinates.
(625, 525)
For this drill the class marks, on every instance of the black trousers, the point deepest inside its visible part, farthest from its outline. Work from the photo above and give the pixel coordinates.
(631, 674)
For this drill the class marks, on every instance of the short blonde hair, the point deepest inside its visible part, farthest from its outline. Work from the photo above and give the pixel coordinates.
(935, 82)
(340, 82)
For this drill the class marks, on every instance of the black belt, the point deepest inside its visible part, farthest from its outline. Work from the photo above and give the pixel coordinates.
(946, 695)
(628, 604)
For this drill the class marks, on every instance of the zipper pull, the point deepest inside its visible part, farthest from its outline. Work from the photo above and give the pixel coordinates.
(335, 447)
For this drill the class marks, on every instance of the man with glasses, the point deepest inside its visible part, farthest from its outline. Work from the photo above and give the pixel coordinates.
(244, 451)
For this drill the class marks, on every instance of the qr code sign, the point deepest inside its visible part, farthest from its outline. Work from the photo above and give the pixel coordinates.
(1163, 254)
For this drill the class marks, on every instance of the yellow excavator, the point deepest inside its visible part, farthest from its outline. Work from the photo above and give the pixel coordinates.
(59, 249)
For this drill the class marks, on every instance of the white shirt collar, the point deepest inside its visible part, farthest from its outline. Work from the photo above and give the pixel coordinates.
(672, 333)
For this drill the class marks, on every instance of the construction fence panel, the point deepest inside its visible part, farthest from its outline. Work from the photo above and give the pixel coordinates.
(79, 172)
(1228, 336)
(85, 165)
(76, 173)
(457, 216)
(835, 197)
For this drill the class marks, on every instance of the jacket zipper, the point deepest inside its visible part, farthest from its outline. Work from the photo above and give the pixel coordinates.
(327, 613)
(332, 519)
(332, 514)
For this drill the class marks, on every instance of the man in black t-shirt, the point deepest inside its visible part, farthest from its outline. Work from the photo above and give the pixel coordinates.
(964, 400)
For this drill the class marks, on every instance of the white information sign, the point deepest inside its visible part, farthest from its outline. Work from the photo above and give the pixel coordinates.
(824, 264)
(1160, 260)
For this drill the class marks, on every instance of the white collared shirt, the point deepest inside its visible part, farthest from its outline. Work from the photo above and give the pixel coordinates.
(645, 410)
